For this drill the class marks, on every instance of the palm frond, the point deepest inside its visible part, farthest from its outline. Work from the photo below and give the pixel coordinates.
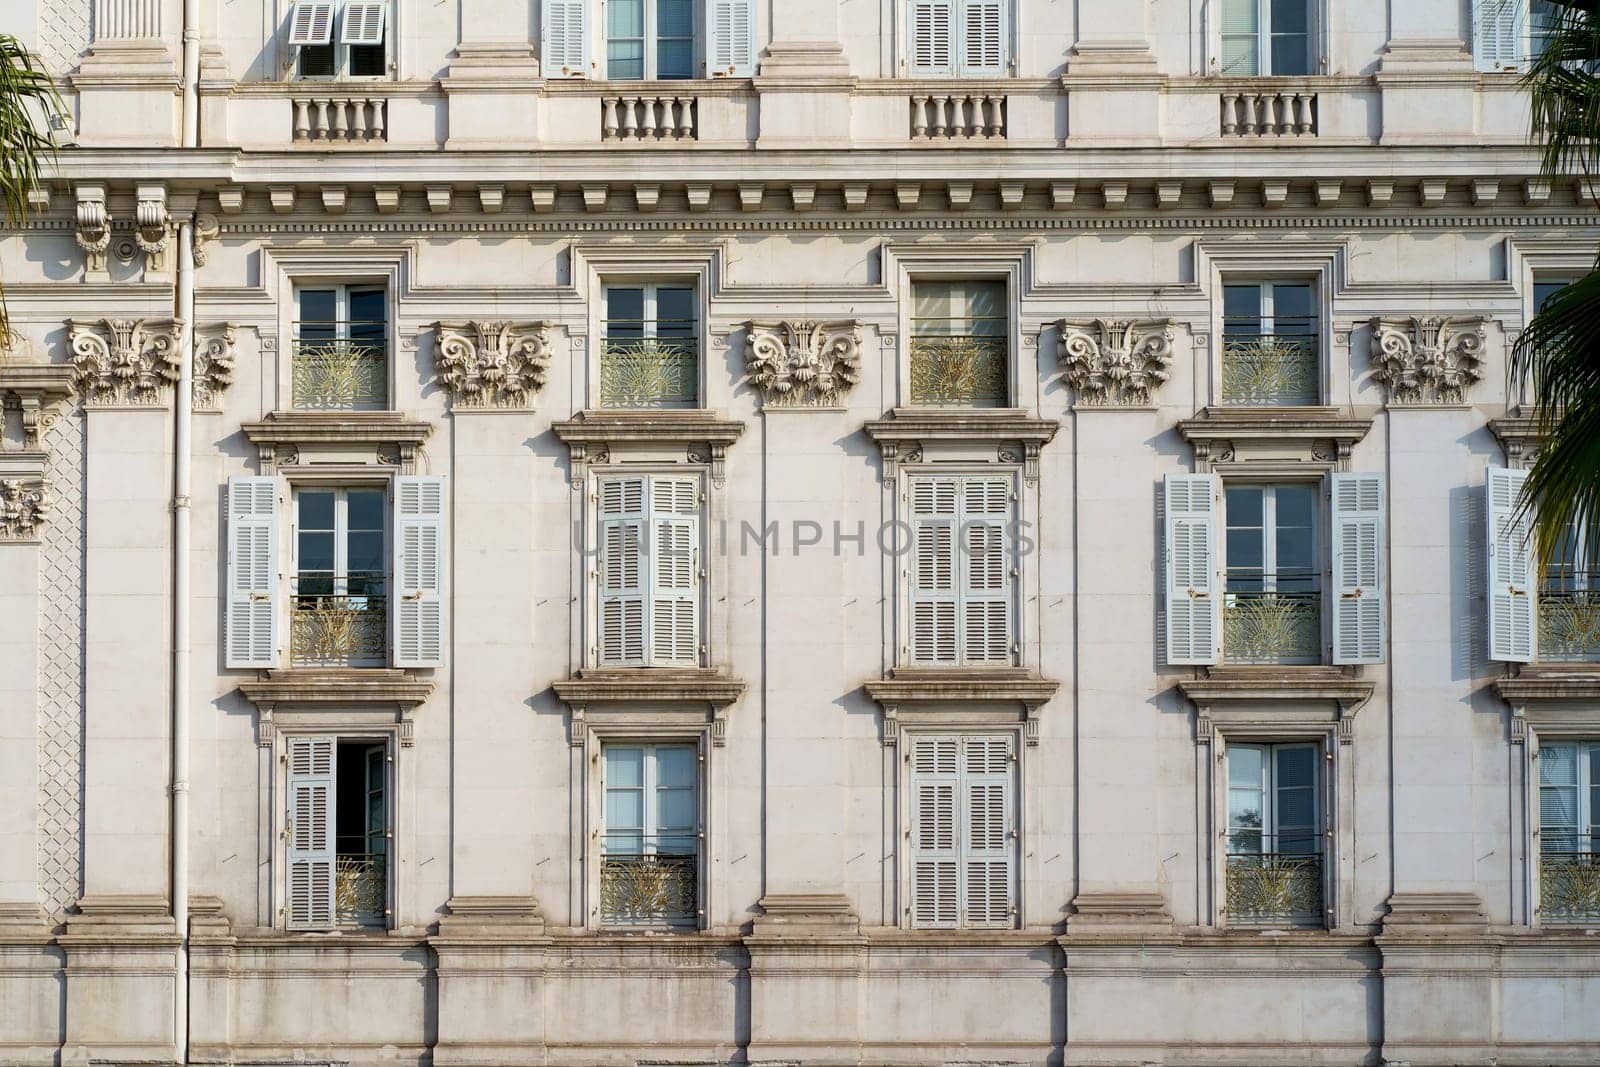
(27, 98)
(1564, 92)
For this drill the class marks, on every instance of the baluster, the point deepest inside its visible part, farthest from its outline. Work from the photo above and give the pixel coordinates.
(630, 128)
(358, 128)
(302, 120)
(655, 111)
(972, 116)
(1230, 114)
(1285, 108)
(608, 118)
(341, 121)
(689, 118)
(319, 122)
(669, 124)
(919, 117)
(1252, 107)
(997, 115)
(1305, 118)
(937, 128)
(380, 119)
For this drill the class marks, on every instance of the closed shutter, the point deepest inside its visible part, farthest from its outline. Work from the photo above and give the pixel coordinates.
(1497, 34)
(363, 22)
(564, 38)
(987, 803)
(419, 571)
(251, 626)
(1511, 591)
(935, 861)
(986, 579)
(1194, 611)
(935, 516)
(675, 572)
(983, 39)
(622, 572)
(1358, 614)
(311, 833)
(931, 29)
(311, 23)
(731, 43)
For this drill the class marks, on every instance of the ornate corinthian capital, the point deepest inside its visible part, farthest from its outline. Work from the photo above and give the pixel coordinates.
(1115, 362)
(213, 363)
(123, 361)
(803, 364)
(24, 506)
(1427, 360)
(491, 364)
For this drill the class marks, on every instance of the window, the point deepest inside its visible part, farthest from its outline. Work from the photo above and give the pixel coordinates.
(1275, 871)
(1506, 34)
(963, 831)
(650, 578)
(968, 38)
(1271, 37)
(649, 865)
(340, 579)
(650, 39)
(1272, 608)
(339, 40)
(1569, 831)
(1544, 288)
(962, 581)
(338, 833)
(650, 354)
(959, 349)
(1561, 615)
(1270, 333)
(341, 348)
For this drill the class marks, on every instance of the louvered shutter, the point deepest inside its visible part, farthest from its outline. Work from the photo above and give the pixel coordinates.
(1358, 614)
(312, 858)
(1497, 28)
(731, 38)
(1194, 611)
(622, 572)
(935, 859)
(363, 22)
(311, 23)
(987, 801)
(986, 571)
(419, 571)
(935, 516)
(674, 572)
(564, 38)
(251, 637)
(930, 27)
(983, 38)
(1512, 607)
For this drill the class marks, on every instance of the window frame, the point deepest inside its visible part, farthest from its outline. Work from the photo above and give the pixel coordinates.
(959, 68)
(343, 289)
(918, 276)
(650, 42)
(1317, 45)
(341, 533)
(1321, 825)
(341, 52)
(652, 285)
(1266, 317)
(648, 788)
(904, 637)
(1321, 550)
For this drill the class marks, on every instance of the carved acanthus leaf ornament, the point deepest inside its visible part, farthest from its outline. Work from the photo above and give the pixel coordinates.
(803, 364)
(492, 364)
(123, 361)
(1428, 360)
(1115, 361)
(213, 363)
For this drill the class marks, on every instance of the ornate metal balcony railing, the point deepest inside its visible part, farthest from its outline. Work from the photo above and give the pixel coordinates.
(339, 621)
(1569, 887)
(960, 370)
(1274, 888)
(649, 881)
(360, 887)
(341, 373)
(1569, 621)
(1272, 627)
(649, 372)
(1271, 369)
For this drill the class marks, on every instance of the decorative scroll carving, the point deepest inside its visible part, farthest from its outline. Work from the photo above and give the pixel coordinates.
(35, 391)
(1428, 360)
(804, 364)
(492, 364)
(153, 227)
(24, 506)
(1116, 361)
(93, 232)
(207, 228)
(123, 361)
(213, 363)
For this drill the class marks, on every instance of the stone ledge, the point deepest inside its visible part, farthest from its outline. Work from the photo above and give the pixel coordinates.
(1575, 682)
(501, 919)
(1115, 914)
(1435, 916)
(650, 685)
(1518, 434)
(293, 438)
(1305, 699)
(927, 693)
(1220, 433)
(297, 685)
(807, 917)
(696, 426)
(909, 424)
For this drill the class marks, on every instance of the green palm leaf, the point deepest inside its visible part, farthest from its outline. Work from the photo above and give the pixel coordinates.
(27, 98)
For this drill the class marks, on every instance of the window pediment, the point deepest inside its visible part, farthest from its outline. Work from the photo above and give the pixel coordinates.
(1556, 699)
(1252, 437)
(908, 435)
(286, 439)
(335, 700)
(647, 697)
(1277, 700)
(692, 436)
(961, 695)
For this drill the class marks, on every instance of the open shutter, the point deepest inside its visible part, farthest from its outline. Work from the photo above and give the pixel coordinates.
(622, 572)
(1358, 615)
(986, 578)
(311, 842)
(987, 841)
(935, 864)
(1497, 33)
(252, 612)
(935, 515)
(419, 571)
(1194, 611)
(674, 572)
(983, 38)
(731, 38)
(311, 23)
(363, 22)
(931, 31)
(1511, 567)
(564, 38)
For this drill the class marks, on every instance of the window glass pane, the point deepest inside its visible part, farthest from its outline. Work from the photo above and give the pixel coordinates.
(624, 60)
(1297, 766)
(1245, 545)
(1558, 765)
(1242, 304)
(316, 509)
(318, 305)
(624, 18)
(365, 555)
(625, 312)
(674, 18)
(624, 767)
(933, 304)
(675, 767)
(1291, 55)
(1244, 551)
(365, 509)
(675, 813)
(1292, 308)
(368, 310)
(1295, 536)
(316, 61)
(986, 307)
(1544, 290)
(675, 312)
(1245, 765)
(675, 59)
(1239, 55)
(1244, 505)
(1291, 16)
(1543, 17)
(315, 552)
(367, 60)
(624, 809)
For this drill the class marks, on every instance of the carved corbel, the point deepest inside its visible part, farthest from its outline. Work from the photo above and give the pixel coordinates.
(575, 727)
(213, 363)
(491, 364)
(153, 227)
(123, 361)
(891, 725)
(1428, 360)
(35, 391)
(24, 507)
(1115, 362)
(803, 364)
(1205, 730)
(93, 231)
(207, 228)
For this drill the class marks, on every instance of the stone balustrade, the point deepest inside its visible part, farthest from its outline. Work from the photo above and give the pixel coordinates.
(1269, 113)
(958, 117)
(352, 119)
(649, 118)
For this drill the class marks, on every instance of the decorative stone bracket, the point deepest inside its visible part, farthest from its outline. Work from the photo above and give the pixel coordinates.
(123, 361)
(491, 364)
(93, 230)
(1115, 363)
(801, 364)
(35, 391)
(1427, 360)
(153, 227)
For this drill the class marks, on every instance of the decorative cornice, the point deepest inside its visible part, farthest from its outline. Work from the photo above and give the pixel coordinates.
(37, 390)
(591, 434)
(649, 689)
(491, 364)
(1220, 434)
(386, 437)
(1576, 683)
(123, 361)
(1519, 435)
(1277, 696)
(213, 363)
(1425, 361)
(1017, 435)
(803, 364)
(1115, 362)
(917, 689)
(24, 506)
(335, 690)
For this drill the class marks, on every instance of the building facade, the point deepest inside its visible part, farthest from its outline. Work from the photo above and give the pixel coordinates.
(823, 531)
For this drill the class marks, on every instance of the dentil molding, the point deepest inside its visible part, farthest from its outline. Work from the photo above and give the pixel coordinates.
(803, 364)
(24, 506)
(123, 361)
(491, 364)
(1115, 362)
(1428, 360)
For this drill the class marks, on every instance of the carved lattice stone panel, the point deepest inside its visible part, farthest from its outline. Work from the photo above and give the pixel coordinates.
(61, 672)
(63, 32)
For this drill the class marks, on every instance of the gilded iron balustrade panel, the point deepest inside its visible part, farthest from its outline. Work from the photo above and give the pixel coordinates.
(340, 375)
(1269, 370)
(1274, 888)
(960, 371)
(1270, 627)
(360, 889)
(1569, 887)
(649, 373)
(338, 631)
(1569, 626)
(648, 890)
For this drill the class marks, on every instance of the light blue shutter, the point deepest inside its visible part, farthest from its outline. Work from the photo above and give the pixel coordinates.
(564, 38)
(930, 28)
(1194, 611)
(312, 851)
(311, 23)
(1358, 585)
(419, 603)
(674, 615)
(730, 38)
(622, 572)
(1497, 29)
(1512, 607)
(988, 841)
(983, 38)
(935, 859)
(987, 581)
(935, 516)
(251, 623)
(363, 22)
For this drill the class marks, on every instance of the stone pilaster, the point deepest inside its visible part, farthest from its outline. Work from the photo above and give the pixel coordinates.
(492, 75)
(128, 84)
(804, 78)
